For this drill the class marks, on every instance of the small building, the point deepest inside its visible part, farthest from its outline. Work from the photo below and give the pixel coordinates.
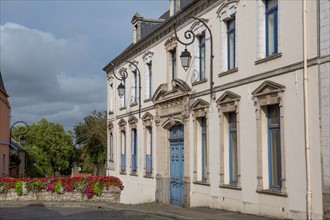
(244, 127)
(4, 130)
(18, 160)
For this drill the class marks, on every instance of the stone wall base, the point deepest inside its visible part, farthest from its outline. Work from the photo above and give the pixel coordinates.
(111, 195)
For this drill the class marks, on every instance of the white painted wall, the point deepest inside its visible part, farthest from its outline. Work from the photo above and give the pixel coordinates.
(140, 189)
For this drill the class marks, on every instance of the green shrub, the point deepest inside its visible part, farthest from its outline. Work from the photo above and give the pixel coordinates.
(98, 189)
(19, 188)
(58, 187)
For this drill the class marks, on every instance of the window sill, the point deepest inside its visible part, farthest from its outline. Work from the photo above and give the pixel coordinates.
(271, 57)
(133, 174)
(199, 82)
(230, 187)
(201, 183)
(149, 176)
(272, 192)
(133, 104)
(228, 72)
(147, 100)
(122, 172)
(122, 108)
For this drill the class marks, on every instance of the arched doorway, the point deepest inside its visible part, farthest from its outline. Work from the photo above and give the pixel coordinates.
(177, 165)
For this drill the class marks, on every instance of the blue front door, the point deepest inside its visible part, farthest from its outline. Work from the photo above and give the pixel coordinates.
(177, 162)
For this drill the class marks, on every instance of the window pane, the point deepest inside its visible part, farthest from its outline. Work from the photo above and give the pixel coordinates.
(204, 147)
(276, 157)
(233, 121)
(231, 24)
(274, 115)
(135, 87)
(270, 33)
(231, 49)
(233, 157)
(202, 63)
(202, 57)
(271, 4)
(173, 53)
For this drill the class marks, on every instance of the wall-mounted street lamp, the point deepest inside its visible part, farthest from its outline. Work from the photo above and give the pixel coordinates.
(22, 130)
(123, 75)
(186, 56)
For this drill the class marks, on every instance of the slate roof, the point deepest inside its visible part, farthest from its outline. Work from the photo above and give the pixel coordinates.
(16, 146)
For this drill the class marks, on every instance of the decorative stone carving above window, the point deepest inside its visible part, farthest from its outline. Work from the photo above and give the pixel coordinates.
(132, 121)
(147, 57)
(227, 10)
(122, 69)
(200, 108)
(171, 43)
(110, 80)
(122, 125)
(268, 93)
(110, 127)
(147, 119)
(198, 27)
(132, 68)
(228, 102)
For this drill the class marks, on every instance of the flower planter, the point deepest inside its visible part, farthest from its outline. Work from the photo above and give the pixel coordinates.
(112, 195)
(62, 189)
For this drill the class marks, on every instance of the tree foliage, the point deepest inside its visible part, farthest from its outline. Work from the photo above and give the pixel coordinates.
(50, 148)
(91, 137)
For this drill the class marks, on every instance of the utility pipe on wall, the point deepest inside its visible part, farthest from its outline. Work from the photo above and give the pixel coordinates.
(306, 118)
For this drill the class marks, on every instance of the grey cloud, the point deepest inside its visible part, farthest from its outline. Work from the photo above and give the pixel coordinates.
(48, 77)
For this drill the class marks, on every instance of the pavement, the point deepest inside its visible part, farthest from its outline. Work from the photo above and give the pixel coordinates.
(92, 210)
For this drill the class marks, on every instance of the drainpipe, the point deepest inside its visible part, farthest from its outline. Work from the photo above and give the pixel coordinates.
(306, 118)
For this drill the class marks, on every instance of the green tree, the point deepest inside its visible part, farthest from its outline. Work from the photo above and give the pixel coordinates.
(91, 137)
(50, 148)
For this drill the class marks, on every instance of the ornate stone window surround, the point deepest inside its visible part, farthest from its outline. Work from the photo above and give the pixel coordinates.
(133, 124)
(147, 59)
(135, 84)
(122, 135)
(123, 100)
(261, 33)
(171, 45)
(147, 121)
(227, 103)
(226, 12)
(200, 110)
(111, 148)
(199, 30)
(268, 93)
(111, 95)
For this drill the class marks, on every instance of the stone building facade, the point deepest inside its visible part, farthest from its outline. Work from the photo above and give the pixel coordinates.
(325, 99)
(239, 129)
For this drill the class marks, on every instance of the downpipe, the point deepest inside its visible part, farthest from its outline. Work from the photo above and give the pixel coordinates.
(306, 118)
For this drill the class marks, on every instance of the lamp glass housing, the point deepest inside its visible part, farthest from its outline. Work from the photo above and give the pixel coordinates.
(185, 59)
(121, 90)
(22, 140)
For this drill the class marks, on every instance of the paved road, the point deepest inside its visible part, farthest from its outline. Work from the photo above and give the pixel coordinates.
(22, 210)
(41, 212)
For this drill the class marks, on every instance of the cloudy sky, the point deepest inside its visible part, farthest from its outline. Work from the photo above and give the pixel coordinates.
(52, 54)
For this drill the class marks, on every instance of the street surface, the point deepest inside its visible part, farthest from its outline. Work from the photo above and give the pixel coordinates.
(76, 213)
(33, 210)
